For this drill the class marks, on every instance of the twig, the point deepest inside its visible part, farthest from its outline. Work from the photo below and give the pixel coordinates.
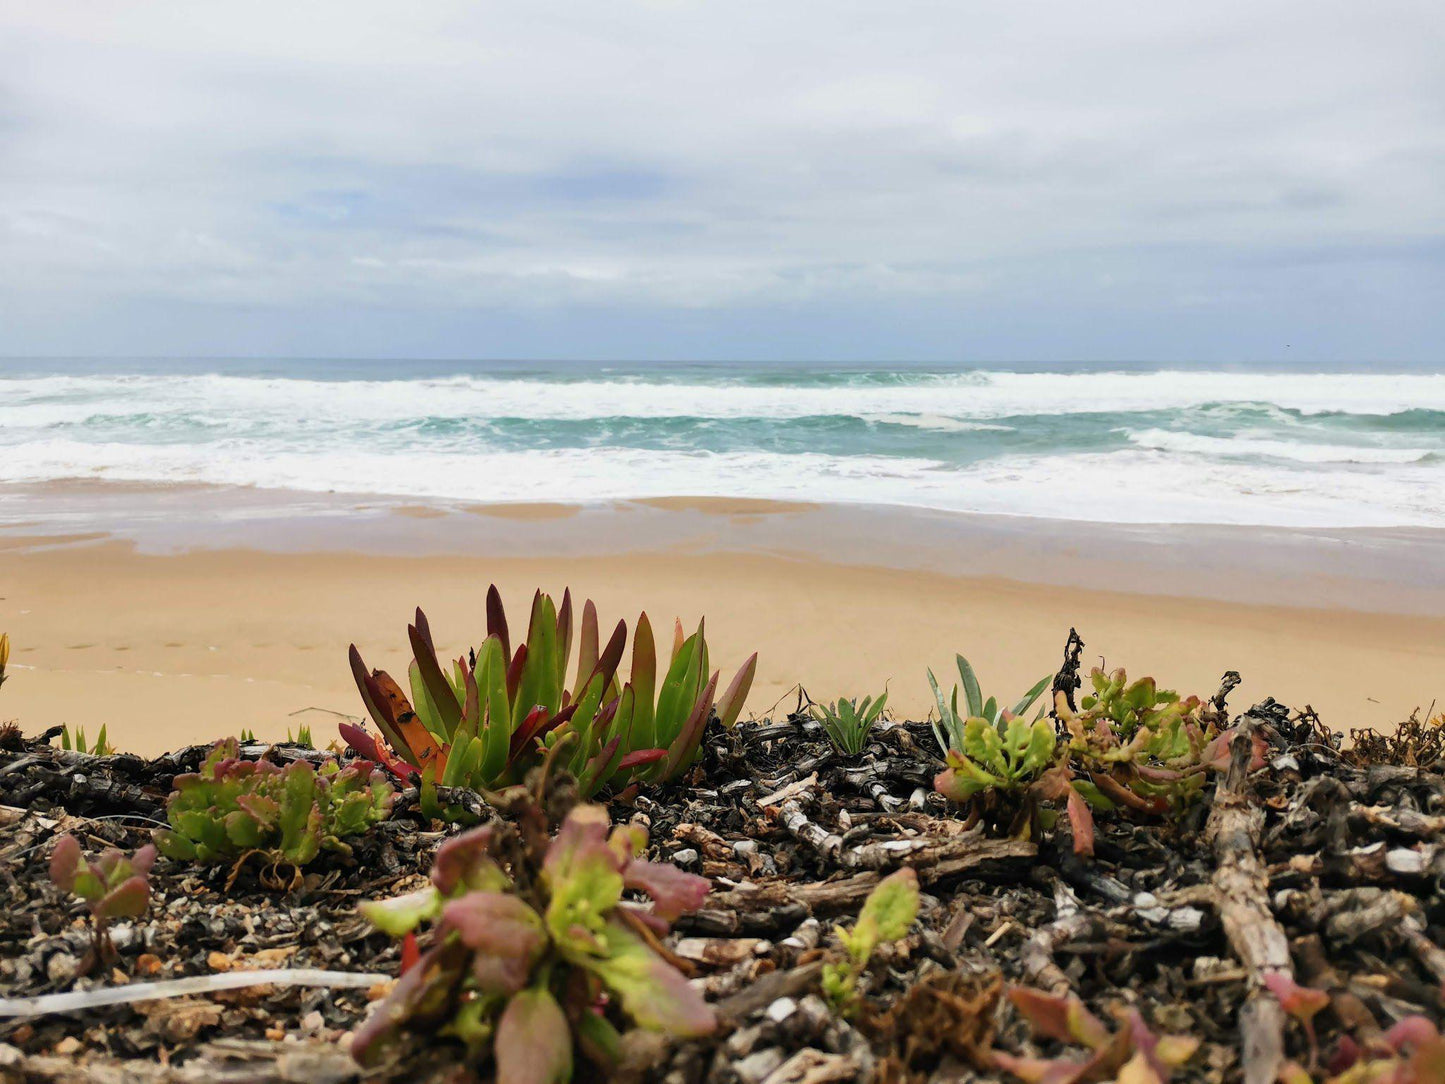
(83, 1000)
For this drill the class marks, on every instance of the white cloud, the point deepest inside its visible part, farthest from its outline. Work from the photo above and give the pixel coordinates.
(451, 157)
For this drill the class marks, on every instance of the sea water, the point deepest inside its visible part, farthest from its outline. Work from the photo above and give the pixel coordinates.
(1135, 445)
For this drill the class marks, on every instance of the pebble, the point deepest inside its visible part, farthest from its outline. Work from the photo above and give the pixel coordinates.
(756, 1067)
(781, 1009)
(688, 856)
(61, 967)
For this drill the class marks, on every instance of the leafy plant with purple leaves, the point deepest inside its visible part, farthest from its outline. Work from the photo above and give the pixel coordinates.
(535, 959)
(483, 720)
(112, 886)
(233, 807)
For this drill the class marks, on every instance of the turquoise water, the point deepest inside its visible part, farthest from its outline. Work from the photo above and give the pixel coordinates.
(1138, 445)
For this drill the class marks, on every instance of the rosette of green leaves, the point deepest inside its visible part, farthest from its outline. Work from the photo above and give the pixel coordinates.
(887, 913)
(519, 959)
(1007, 756)
(847, 722)
(233, 806)
(951, 721)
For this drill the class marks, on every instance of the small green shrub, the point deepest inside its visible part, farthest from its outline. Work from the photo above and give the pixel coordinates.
(949, 730)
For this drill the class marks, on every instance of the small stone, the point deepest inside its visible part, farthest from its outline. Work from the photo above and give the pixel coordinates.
(148, 964)
(744, 847)
(312, 1021)
(781, 1009)
(61, 967)
(219, 961)
(67, 1046)
(757, 1067)
(685, 857)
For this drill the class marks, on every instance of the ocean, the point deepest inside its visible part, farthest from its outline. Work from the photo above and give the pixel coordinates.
(1299, 449)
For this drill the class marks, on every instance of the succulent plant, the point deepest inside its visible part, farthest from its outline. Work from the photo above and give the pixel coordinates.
(949, 730)
(887, 913)
(235, 807)
(532, 950)
(484, 720)
(1008, 755)
(848, 722)
(1133, 1054)
(4, 654)
(1138, 747)
(101, 748)
(113, 886)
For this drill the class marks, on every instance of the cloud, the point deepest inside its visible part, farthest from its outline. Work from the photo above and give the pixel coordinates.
(656, 178)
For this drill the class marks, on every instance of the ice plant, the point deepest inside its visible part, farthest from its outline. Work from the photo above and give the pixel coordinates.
(1131, 1055)
(483, 720)
(887, 913)
(533, 955)
(949, 730)
(4, 654)
(112, 886)
(233, 807)
(847, 722)
(1138, 747)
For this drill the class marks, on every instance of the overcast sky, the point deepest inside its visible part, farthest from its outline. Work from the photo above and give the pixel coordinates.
(777, 179)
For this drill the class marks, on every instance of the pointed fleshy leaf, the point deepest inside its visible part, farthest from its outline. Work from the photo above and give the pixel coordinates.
(644, 683)
(730, 704)
(497, 620)
(588, 648)
(438, 688)
(1301, 1002)
(564, 636)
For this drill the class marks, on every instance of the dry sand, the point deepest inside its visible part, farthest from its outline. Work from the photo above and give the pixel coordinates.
(180, 648)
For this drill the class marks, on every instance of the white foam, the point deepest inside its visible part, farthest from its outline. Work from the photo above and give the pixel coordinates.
(50, 400)
(1257, 448)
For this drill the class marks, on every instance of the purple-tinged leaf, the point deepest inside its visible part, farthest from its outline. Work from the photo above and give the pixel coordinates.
(640, 756)
(419, 999)
(129, 899)
(730, 704)
(1301, 1002)
(505, 934)
(1081, 820)
(674, 892)
(533, 1043)
(497, 620)
(465, 861)
(1039, 1070)
(1412, 1031)
(1063, 1018)
(65, 862)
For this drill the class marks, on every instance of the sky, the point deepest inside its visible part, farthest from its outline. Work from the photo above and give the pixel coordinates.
(757, 179)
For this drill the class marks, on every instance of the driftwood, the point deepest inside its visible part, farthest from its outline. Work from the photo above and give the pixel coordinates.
(1233, 831)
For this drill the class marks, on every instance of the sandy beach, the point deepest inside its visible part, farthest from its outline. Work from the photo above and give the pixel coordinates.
(185, 642)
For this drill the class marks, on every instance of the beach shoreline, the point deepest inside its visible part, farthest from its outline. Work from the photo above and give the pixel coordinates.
(174, 624)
